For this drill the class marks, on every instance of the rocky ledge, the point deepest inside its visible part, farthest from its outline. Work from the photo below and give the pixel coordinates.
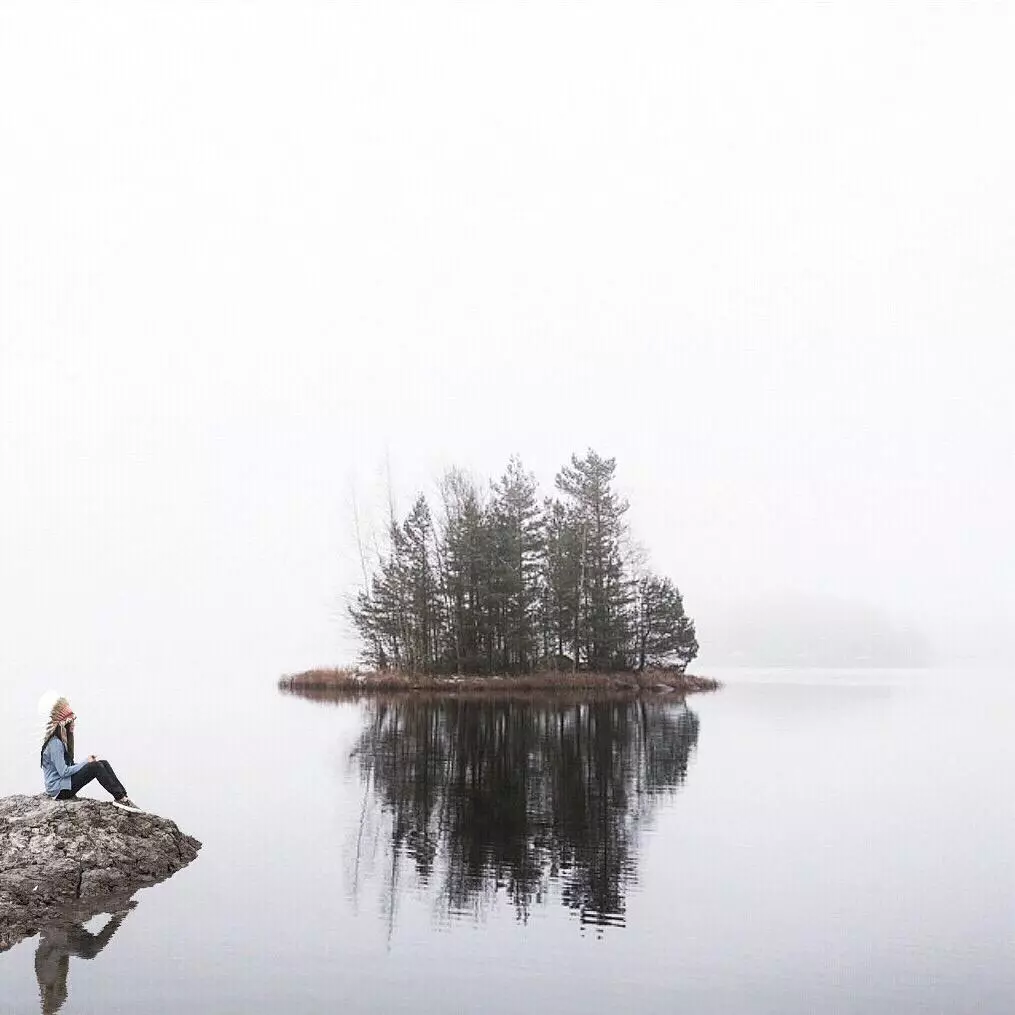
(66, 861)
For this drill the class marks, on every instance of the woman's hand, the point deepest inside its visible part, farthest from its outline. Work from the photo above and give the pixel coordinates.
(91, 757)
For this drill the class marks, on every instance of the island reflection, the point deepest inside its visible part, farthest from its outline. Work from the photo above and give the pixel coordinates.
(533, 798)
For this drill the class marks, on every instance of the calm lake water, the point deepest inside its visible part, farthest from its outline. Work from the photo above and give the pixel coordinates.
(798, 842)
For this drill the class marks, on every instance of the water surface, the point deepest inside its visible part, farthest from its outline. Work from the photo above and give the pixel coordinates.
(798, 842)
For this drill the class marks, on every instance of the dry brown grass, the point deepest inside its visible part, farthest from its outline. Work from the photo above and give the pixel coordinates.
(340, 682)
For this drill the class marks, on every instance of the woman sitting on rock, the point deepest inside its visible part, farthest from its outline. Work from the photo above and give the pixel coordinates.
(62, 777)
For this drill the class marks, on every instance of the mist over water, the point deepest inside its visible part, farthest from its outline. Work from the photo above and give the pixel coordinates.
(758, 256)
(265, 271)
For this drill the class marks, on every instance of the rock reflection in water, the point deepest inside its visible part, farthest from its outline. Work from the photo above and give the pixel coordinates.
(58, 944)
(532, 798)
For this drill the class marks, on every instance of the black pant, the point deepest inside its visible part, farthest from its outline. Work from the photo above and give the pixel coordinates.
(100, 770)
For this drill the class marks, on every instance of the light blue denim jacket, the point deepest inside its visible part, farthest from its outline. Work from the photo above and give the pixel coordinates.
(55, 770)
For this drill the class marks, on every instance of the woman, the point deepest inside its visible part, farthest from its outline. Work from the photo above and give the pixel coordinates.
(62, 777)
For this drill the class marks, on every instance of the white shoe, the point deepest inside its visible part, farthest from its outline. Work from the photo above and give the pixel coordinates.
(126, 804)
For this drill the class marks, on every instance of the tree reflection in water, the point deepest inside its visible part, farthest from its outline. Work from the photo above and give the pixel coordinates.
(524, 797)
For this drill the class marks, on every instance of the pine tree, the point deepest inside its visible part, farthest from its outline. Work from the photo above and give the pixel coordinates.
(602, 621)
(560, 585)
(664, 634)
(419, 587)
(380, 615)
(463, 541)
(509, 584)
(517, 522)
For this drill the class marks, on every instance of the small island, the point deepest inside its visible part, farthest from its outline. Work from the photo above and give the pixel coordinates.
(498, 590)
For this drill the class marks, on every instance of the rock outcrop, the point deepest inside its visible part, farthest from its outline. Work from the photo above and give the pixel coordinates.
(65, 861)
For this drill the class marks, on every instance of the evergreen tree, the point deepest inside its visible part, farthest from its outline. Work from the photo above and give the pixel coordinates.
(664, 634)
(506, 585)
(602, 621)
(464, 539)
(560, 585)
(518, 544)
(379, 614)
(419, 587)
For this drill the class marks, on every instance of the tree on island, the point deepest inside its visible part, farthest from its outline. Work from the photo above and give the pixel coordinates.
(501, 583)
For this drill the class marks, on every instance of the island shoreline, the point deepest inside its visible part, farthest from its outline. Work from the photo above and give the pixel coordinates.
(355, 683)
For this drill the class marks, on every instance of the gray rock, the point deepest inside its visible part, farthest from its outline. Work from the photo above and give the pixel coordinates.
(66, 861)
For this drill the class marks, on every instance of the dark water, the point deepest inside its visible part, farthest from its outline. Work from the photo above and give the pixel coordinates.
(798, 842)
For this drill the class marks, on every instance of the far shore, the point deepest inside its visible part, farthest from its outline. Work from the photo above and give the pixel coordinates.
(340, 682)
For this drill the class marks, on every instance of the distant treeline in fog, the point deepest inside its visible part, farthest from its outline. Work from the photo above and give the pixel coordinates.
(497, 580)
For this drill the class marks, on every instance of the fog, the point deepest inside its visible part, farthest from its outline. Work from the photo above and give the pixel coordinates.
(257, 259)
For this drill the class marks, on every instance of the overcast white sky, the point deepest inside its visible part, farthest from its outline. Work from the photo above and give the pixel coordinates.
(761, 253)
